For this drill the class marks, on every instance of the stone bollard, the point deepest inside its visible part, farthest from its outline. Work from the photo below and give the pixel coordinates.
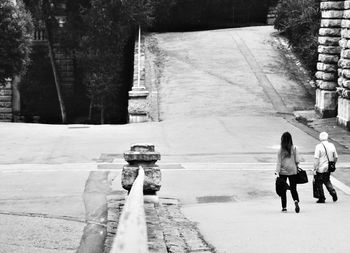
(145, 156)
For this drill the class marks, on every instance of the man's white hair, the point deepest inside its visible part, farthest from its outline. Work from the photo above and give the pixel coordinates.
(323, 136)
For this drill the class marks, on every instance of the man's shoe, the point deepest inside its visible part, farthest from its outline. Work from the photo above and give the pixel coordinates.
(320, 201)
(297, 208)
(284, 210)
(335, 197)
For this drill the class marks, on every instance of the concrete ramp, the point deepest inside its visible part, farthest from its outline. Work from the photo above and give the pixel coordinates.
(226, 73)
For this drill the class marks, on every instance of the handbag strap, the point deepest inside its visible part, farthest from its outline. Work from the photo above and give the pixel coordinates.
(325, 150)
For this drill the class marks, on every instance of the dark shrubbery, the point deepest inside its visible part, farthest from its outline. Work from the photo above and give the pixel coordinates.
(38, 94)
(15, 39)
(182, 15)
(101, 34)
(299, 21)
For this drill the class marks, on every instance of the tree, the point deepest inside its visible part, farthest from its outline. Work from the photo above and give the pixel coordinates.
(299, 22)
(105, 31)
(43, 12)
(15, 39)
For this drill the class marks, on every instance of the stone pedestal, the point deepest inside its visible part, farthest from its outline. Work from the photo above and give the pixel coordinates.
(142, 155)
(326, 103)
(137, 108)
(343, 117)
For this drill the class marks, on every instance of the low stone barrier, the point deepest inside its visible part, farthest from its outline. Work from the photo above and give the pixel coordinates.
(141, 178)
(132, 231)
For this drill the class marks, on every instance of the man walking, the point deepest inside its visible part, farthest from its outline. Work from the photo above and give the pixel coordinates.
(322, 175)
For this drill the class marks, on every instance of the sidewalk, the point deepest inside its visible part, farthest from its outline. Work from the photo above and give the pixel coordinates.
(259, 225)
(244, 215)
(329, 125)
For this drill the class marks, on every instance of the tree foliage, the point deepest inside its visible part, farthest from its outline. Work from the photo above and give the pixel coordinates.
(106, 28)
(299, 22)
(15, 39)
(39, 97)
(100, 34)
(180, 15)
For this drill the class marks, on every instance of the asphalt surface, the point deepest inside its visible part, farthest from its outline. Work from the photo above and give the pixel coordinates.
(225, 98)
(237, 77)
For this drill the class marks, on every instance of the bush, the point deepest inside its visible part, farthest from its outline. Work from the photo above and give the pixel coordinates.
(299, 22)
(15, 40)
(37, 88)
(182, 15)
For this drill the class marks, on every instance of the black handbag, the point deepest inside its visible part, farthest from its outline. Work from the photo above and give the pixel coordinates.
(281, 186)
(315, 190)
(301, 176)
(331, 164)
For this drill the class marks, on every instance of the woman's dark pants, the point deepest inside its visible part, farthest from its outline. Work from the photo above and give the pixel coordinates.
(293, 189)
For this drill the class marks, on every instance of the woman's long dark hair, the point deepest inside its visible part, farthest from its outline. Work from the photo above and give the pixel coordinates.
(286, 144)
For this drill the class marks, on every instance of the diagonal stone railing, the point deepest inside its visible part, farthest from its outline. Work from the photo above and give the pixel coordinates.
(132, 230)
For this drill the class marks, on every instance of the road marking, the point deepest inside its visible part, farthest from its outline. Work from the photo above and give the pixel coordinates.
(188, 166)
(169, 166)
(263, 80)
(45, 216)
(340, 185)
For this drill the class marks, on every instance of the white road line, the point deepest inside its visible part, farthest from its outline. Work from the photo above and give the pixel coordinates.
(186, 165)
(189, 166)
(123, 163)
(340, 185)
(88, 167)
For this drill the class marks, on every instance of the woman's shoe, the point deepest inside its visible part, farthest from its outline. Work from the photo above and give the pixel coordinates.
(284, 210)
(320, 201)
(297, 208)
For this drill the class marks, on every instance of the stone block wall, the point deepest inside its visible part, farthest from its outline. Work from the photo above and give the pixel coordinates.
(65, 70)
(333, 67)
(329, 55)
(343, 90)
(6, 113)
(272, 13)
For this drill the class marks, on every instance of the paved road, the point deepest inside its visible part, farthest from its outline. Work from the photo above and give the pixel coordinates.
(225, 100)
(237, 77)
(229, 73)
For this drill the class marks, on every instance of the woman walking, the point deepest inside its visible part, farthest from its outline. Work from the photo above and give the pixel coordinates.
(287, 160)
